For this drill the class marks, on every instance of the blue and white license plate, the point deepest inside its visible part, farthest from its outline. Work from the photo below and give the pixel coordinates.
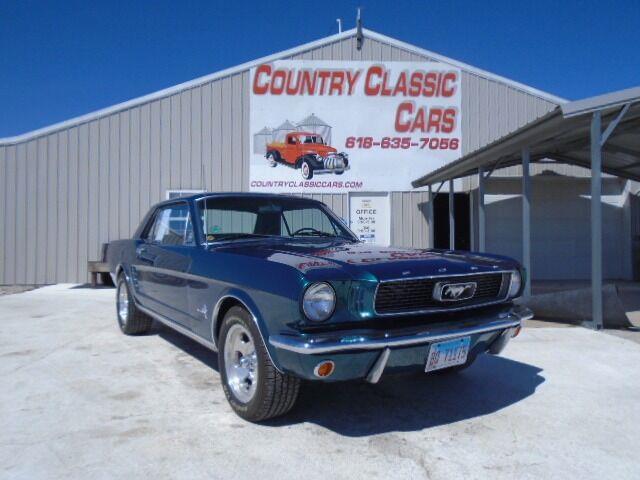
(447, 354)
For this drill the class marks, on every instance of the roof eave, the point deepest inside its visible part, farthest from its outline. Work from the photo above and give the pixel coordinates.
(601, 102)
(494, 150)
(270, 58)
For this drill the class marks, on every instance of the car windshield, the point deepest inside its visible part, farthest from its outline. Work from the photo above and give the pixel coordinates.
(312, 139)
(236, 218)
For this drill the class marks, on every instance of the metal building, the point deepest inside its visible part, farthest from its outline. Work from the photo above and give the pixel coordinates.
(68, 188)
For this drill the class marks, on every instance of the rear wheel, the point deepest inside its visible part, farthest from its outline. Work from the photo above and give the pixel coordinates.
(253, 386)
(130, 319)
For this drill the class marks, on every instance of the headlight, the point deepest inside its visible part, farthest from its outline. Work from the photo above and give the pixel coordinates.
(319, 301)
(515, 284)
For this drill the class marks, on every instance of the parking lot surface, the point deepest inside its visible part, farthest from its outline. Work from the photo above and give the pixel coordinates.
(81, 400)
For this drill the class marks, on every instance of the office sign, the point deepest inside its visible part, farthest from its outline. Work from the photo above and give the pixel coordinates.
(369, 218)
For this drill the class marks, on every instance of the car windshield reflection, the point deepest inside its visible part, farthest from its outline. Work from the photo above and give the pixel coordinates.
(226, 219)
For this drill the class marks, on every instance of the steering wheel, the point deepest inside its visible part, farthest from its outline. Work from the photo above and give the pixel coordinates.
(310, 230)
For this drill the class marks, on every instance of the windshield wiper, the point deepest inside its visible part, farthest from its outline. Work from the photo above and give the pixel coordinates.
(314, 234)
(324, 235)
(236, 236)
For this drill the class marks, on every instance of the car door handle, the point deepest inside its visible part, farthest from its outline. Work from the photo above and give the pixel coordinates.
(143, 254)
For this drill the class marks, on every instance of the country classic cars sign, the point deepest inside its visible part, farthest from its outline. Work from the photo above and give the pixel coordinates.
(335, 126)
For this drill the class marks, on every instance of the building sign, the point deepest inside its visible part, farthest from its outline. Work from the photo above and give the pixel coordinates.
(369, 218)
(334, 126)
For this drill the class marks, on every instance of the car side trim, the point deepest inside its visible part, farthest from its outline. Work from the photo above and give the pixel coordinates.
(178, 328)
(323, 344)
(213, 344)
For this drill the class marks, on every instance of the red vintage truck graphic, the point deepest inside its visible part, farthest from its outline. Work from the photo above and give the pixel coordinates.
(308, 152)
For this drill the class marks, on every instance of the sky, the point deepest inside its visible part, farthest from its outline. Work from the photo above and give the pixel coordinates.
(62, 59)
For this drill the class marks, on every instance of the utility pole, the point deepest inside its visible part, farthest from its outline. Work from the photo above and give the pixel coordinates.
(359, 35)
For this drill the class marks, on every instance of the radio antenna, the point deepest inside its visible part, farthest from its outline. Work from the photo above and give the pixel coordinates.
(359, 35)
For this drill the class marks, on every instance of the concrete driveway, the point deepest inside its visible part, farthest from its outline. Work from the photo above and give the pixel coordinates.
(81, 400)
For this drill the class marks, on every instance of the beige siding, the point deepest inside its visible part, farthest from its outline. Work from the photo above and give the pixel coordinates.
(3, 215)
(92, 182)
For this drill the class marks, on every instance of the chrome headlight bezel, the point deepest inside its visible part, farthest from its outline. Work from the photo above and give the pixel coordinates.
(515, 284)
(319, 301)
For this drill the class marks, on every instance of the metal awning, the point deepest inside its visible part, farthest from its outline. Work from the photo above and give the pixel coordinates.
(562, 135)
(600, 133)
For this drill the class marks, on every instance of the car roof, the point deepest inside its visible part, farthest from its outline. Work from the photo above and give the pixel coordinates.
(198, 196)
(303, 133)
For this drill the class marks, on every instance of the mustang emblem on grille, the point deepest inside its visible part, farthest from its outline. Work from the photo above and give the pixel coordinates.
(451, 292)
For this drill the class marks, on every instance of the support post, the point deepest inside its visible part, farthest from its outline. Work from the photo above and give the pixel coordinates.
(481, 211)
(430, 219)
(596, 220)
(526, 217)
(452, 218)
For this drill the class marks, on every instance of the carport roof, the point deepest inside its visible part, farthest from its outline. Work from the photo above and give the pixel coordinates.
(562, 135)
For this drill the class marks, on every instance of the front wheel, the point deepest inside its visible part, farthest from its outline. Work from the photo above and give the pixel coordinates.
(307, 170)
(254, 388)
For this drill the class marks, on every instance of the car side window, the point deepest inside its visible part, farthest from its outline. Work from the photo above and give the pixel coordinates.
(172, 226)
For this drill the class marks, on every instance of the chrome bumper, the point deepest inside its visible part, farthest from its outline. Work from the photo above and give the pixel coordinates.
(328, 343)
(331, 170)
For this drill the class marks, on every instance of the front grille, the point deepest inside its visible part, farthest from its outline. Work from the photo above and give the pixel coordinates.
(413, 295)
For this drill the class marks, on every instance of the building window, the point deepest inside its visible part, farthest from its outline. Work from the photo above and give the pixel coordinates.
(171, 194)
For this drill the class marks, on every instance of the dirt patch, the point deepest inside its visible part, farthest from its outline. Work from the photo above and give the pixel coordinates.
(11, 289)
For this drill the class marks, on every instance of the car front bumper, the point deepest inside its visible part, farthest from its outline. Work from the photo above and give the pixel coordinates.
(366, 356)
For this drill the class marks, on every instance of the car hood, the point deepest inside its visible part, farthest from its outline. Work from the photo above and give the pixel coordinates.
(322, 150)
(370, 262)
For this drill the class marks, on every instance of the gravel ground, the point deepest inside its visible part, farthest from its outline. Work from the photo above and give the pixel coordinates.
(11, 289)
(80, 400)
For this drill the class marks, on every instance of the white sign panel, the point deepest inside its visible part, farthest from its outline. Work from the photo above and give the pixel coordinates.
(369, 218)
(335, 126)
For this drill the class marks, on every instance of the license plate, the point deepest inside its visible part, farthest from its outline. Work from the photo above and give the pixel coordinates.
(447, 354)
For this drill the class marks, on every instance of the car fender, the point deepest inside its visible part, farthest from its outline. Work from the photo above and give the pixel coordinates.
(247, 302)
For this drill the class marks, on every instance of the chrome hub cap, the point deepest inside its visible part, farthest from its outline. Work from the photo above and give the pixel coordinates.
(305, 170)
(241, 363)
(123, 303)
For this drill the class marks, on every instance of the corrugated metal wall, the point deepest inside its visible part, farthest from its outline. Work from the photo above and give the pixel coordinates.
(65, 193)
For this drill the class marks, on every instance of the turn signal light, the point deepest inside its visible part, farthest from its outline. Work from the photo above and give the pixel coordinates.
(515, 332)
(324, 369)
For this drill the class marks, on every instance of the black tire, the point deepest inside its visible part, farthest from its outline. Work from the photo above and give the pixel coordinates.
(307, 169)
(273, 159)
(339, 172)
(276, 393)
(136, 322)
